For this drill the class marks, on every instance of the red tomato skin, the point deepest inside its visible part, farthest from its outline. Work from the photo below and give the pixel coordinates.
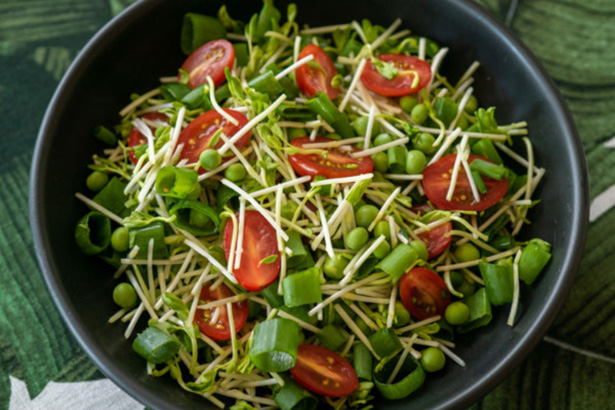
(401, 84)
(424, 293)
(136, 139)
(436, 180)
(259, 241)
(436, 239)
(314, 164)
(201, 317)
(199, 64)
(311, 80)
(334, 368)
(198, 133)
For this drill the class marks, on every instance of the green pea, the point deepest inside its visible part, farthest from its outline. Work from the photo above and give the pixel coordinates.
(402, 317)
(356, 238)
(424, 143)
(360, 126)
(420, 248)
(382, 250)
(381, 161)
(365, 215)
(382, 228)
(432, 359)
(235, 173)
(419, 113)
(457, 313)
(408, 102)
(471, 105)
(124, 295)
(415, 162)
(119, 239)
(334, 267)
(210, 159)
(296, 133)
(199, 219)
(382, 139)
(97, 181)
(466, 288)
(466, 253)
(334, 136)
(288, 210)
(457, 278)
(462, 122)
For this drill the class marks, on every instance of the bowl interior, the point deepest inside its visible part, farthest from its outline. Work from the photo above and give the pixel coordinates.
(131, 53)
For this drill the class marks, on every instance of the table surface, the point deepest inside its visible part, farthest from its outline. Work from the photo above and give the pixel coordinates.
(41, 365)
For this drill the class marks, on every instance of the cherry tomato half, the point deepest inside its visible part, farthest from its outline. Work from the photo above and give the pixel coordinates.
(209, 60)
(136, 139)
(322, 371)
(436, 239)
(337, 164)
(259, 242)
(220, 330)
(424, 293)
(437, 178)
(198, 133)
(401, 84)
(312, 79)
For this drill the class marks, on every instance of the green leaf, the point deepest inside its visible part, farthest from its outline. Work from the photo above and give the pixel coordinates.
(205, 385)
(387, 70)
(176, 304)
(269, 260)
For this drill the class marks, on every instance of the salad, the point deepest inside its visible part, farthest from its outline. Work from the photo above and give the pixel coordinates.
(307, 217)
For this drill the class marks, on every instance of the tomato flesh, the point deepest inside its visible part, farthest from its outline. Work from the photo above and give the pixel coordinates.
(199, 132)
(437, 178)
(436, 239)
(136, 139)
(337, 164)
(209, 60)
(259, 242)
(220, 329)
(312, 79)
(324, 372)
(424, 293)
(402, 84)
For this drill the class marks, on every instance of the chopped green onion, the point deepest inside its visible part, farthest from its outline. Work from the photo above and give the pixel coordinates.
(155, 346)
(331, 337)
(112, 196)
(323, 106)
(270, 293)
(176, 182)
(534, 258)
(93, 233)
(294, 397)
(480, 311)
(385, 342)
(485, 148)
(498, 282)
(397, 159)
(409, 378)
(274, 345)
(488, 169)
(362, 361)
(446, 110)
(295, 244)
(198, 29)
(241, 54)
(141, 236)
(187, 211)
(398, 261)
(478, 180)
(266, 83)
(105, 135)
(302, 288)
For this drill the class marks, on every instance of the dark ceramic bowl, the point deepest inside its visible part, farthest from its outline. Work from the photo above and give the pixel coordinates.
(142, 44)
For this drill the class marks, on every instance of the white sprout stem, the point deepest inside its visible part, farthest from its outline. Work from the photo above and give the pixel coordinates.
(353, 84)
(294, 66)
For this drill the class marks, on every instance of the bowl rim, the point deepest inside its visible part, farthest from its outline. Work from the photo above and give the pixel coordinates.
(484, 384)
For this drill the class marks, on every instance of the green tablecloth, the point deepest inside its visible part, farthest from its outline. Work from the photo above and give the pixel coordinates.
(40, 361)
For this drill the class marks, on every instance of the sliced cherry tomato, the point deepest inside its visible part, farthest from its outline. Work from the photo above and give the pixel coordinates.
(317, 74)
(402, 84)
(209, 60)
(437, 178)
(436, 239)
(421, 209)
(337, 164)
(259, 242)
(220, 330)
(136, 139)
(198, 133)
(424, 293)
(322, 371)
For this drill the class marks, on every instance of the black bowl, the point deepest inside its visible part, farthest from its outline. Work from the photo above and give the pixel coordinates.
(131, 52)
